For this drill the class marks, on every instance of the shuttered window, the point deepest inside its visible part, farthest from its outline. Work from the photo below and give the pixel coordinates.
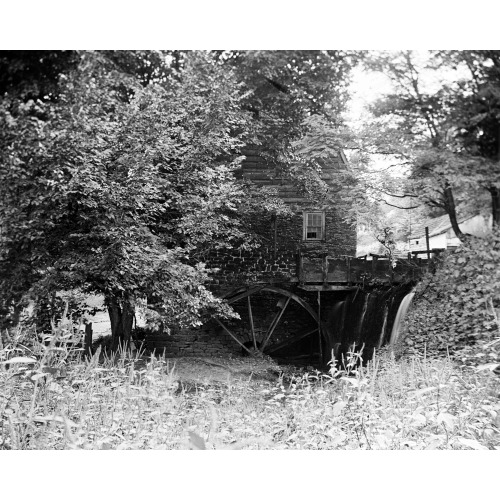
(314, 225)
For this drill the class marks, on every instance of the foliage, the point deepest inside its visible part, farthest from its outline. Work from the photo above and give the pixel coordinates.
(123, 195)
(455, 308)
(288, 92)
(320, 146)
(34, 74)
(128, 402)
(121, 179)
(446, 130)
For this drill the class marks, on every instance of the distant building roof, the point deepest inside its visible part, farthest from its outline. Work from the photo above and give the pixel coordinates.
(437, 225)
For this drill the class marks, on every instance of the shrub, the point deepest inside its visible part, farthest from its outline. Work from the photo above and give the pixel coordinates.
(455, 308)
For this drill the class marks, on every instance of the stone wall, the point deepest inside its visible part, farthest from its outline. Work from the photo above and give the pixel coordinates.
(207, 341)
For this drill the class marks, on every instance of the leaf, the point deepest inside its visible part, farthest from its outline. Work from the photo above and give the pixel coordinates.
(196, 441)
(338, 407)
(425, 390)
(418, 419)
(447, 419)
(54, 387)
(19, 360)
(337, 436)
(55, 418)
(488, 366)
(471, 443)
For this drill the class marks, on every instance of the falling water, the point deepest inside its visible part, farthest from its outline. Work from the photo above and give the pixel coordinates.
(403, 308)
(384, 325)
(362, 318)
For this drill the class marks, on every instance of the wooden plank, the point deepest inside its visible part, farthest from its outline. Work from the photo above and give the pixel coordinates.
(327, 288)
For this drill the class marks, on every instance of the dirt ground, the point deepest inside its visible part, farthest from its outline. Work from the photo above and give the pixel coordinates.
(210, 371)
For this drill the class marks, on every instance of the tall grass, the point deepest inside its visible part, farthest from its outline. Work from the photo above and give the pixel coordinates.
(51, 397)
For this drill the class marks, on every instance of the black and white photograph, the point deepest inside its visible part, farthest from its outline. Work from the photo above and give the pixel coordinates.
(249, 249)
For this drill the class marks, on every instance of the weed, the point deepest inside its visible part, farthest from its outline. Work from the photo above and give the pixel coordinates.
(52, 397)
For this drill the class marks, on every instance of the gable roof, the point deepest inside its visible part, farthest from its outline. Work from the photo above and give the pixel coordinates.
(437, 225)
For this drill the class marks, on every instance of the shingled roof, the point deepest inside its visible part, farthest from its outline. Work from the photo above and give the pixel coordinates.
(437, 225)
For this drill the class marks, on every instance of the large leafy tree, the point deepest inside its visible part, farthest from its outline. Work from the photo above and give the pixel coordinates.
(444, 131)
(121, 188)
(476, 113)
(284, 91)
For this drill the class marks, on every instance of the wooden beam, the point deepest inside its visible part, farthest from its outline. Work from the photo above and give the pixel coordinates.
(251, 322)
(274, 324)
(248, 292)
(232, 335)
(327, 288)
(319, 326)
(297, 299)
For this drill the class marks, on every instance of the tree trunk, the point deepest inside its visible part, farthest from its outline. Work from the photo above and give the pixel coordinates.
(449, 203)
(494, 190)
(121, 315)
(495, 204)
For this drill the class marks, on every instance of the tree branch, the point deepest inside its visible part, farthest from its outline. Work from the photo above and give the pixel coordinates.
(277, 85)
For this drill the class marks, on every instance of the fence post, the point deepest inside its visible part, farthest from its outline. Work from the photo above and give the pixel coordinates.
(427, 244)
(88, 340)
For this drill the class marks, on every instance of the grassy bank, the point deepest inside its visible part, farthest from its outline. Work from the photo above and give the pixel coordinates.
(53, 399)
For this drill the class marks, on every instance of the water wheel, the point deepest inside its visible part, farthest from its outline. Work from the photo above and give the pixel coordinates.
(271, 319)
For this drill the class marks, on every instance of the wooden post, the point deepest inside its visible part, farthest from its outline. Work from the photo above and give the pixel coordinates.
(319, 328)
(325, 269)
(300, 266)
(275, 235)
(88, 340)
(427, 244)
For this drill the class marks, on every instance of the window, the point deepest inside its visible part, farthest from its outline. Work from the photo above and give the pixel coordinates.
(314, 225)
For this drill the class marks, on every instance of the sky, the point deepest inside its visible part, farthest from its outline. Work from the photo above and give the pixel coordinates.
(366, 87)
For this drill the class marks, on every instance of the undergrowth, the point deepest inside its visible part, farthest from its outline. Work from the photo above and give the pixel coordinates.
(54, 398)
(456, 309)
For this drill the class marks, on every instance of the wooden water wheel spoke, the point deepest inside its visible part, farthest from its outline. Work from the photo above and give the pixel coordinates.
(250, 315)
(268, 326)
(274, 324)
(246, 293)
(226, 329)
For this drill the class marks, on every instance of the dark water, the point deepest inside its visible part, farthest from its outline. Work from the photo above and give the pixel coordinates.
(362, 320)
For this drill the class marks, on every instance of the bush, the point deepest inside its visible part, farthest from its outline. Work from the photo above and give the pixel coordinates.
(455, 308)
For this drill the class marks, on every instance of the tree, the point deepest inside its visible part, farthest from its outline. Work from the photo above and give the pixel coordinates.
(476, 112)
(433, 128)
(123, 182)
(119, 193)
(284, 89)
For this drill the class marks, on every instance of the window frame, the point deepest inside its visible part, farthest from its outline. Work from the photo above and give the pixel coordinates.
(305, 217)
